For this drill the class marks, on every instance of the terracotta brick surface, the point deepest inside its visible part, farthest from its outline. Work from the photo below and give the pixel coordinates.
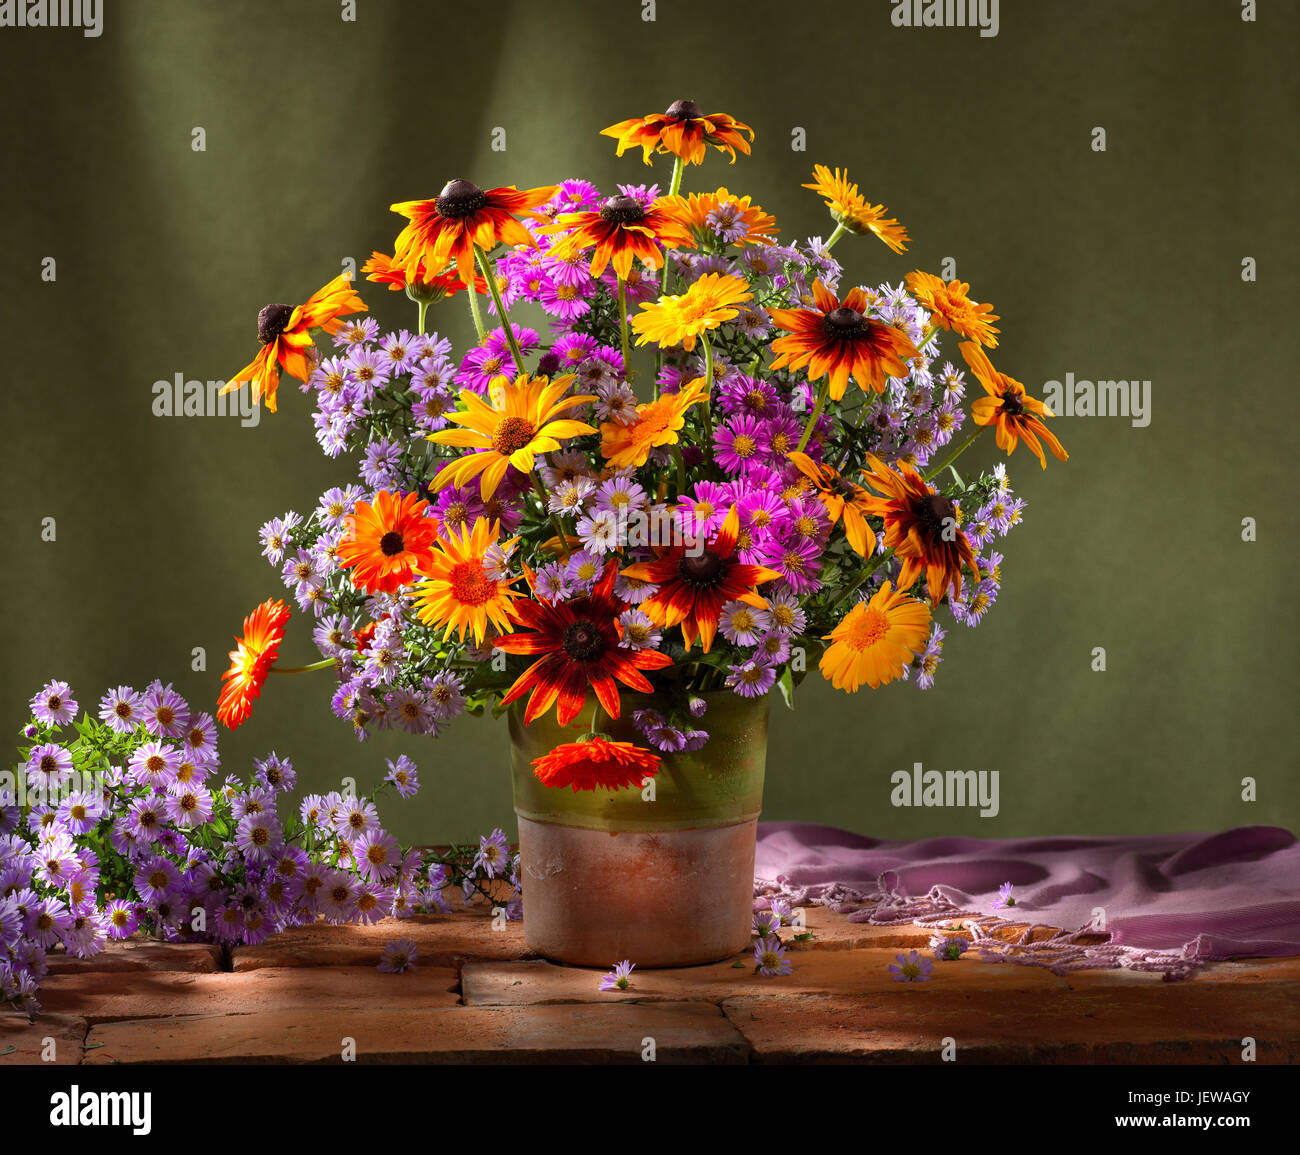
(689, 1032)
(200, 958)
(28, 1039)
(150, 994)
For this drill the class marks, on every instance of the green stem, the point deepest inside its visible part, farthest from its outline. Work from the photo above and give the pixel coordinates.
(840, 230)
(862, 576)
(816, 413)
(323, 664)
(424, 309)
(622, 327)
(956, 453)
(490, 277)
(679, 167)
(555, 523)
(681, 470)
(472, 293)
(708, 395)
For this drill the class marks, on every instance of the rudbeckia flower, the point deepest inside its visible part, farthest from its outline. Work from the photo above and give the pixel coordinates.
(250, 662)
(457, 591)
(842, 499)
(285, 333)
(695, 585)
(920, 527)
(683, 130)
(848, 208)
(711, 300)
(839, 339)
(463, 215)
(951, 308)
(596, 764)
(1009, 408)
(621, 229)
(387, 541)
(579, 646)
(657, 423)
(522, 422)
(875, 641)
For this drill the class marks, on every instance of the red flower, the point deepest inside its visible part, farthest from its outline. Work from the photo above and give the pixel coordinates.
(580, 643)
(250, 662)
(596, 764)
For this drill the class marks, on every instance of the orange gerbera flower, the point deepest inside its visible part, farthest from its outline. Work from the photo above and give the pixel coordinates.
(842, 499)
(522, 421)
(849, 209)
(744, 222)
(579, 644)
(683, 130)
(621, 229)
(695, 585)
(951, 308)
(250, 662)
(596, 764)
(875, 641)
(711, 299)
(387, 541)
(463, 215)
(657, 423)
(457, 591)
(1010, 408)
(920, 527)
(838, 338)
(383, 270)
(285, 333)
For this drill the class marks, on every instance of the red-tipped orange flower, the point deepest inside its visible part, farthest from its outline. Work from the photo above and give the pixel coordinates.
(285, 333)
(842, 500)
(596, 764)
(463, 215)
(1008, 407)
(387, 541)
(619, 231)
(683, 130)
(383, 270)
(250, 662)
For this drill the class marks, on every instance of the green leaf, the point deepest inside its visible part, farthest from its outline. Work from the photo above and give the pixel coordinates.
(786, 682)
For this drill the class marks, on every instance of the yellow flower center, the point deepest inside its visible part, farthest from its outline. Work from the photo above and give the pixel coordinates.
(470, 585)
(743, 445)
(870, 627)
(783, 616)
(742, 622)
(566, 293)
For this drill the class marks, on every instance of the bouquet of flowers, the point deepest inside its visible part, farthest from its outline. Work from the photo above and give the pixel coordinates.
(683, 456)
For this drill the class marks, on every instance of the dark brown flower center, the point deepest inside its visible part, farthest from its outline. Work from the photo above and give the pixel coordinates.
(704, 570)
(622, 210)
(512, 433)
(271, 322)
(1012, 404)
(391, 544)
(459, 198)
(845, 323)
(936, 513)
(583, 641)
(684, 110)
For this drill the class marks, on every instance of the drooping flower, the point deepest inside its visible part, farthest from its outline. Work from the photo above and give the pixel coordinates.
(388, 540)
(671, 321)
(839, 339)
(843, 500)
(875, 640)
(383, 270)
(596, 763)
(1010, 409)
(621, 230)
(251, 661)
(579, 646)
(1004, 898)
(285, 333)
(657, 423)
(849, 209)
(620, 978)
(683, 130)
(950, 307)
(522, 421)
(695, 581)
(447, 228)
(457, 592)
(921, 527)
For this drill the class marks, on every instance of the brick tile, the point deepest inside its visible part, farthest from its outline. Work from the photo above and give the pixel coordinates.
(28, 1039)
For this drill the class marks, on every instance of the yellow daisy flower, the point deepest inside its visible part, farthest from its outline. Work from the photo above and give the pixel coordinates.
(950, 307)
(658, 423)
(672, 321)
(456, 591)
(849, 209)
(876, 640)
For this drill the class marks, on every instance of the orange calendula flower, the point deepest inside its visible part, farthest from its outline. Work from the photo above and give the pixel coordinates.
(387, 541)
(711, 215)
(695, 583)
(1008, 407)
(522, 421)
(839, 339)
(285, 333)
(920, 527)
(457, 591)
(875, 641)
(620, 230)
(849, 209)
(842, 499)
(683, 130)
(578, 644)
(596, 764)
(250, 662)
(657, 423)
(672, 321)
(951, 308)
(463, 215)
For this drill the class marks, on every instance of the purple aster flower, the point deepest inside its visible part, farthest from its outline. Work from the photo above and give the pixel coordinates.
(599, 531)
(948, 948)
(165, 712)
(398, 957)
(189, 807)
(769, 958)
(121, 918)
(399, 350)
(564, 301)
(621, 495)
(81, 811)
(55, 704)
(47, 919)
(603, 368)
(48, 767)
(751, 679)
(275, 773)
(370, 370)
(639, 631)
(738, 444)
(773, 649)
(154, 765)
(356, 331)
(632, 590)
(380, 464)
(766, 922)
(119, 709)
(376, 853)
(583, 570)
(330, 377)
(703, 513)
(740, 623)
(493, 856)
(258, 836)
(1004, 897)
(619, 979)
(155, 876)
(403, 775)
(797, 561)
(911, 968)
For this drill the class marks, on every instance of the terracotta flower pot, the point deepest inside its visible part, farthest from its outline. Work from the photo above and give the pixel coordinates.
(610, 875)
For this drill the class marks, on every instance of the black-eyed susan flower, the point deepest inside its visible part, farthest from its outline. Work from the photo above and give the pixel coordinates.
(842, 499)
(623, 228)
(684, 131)
(1014, 414)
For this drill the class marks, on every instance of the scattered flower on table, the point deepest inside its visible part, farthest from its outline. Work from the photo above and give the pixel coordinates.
(619, 979)
(398, 957)
(949, 947)
(1004, 897)
(911, 968)
(769, 958)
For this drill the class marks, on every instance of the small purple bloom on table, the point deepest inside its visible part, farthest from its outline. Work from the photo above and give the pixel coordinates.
(1004, 897)
(766, 922)
(398, 957)
(949, 948)
(493, 853)
(911, 968)
(769, 958)
(619, 978)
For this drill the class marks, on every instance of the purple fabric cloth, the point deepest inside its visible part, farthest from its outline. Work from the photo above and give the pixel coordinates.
(1169, 902)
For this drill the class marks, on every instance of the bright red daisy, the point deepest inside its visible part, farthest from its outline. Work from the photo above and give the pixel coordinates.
(250, 662)
(596, 764)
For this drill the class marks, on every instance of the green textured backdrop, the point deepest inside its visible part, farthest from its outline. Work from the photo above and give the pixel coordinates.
(1122, 264)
